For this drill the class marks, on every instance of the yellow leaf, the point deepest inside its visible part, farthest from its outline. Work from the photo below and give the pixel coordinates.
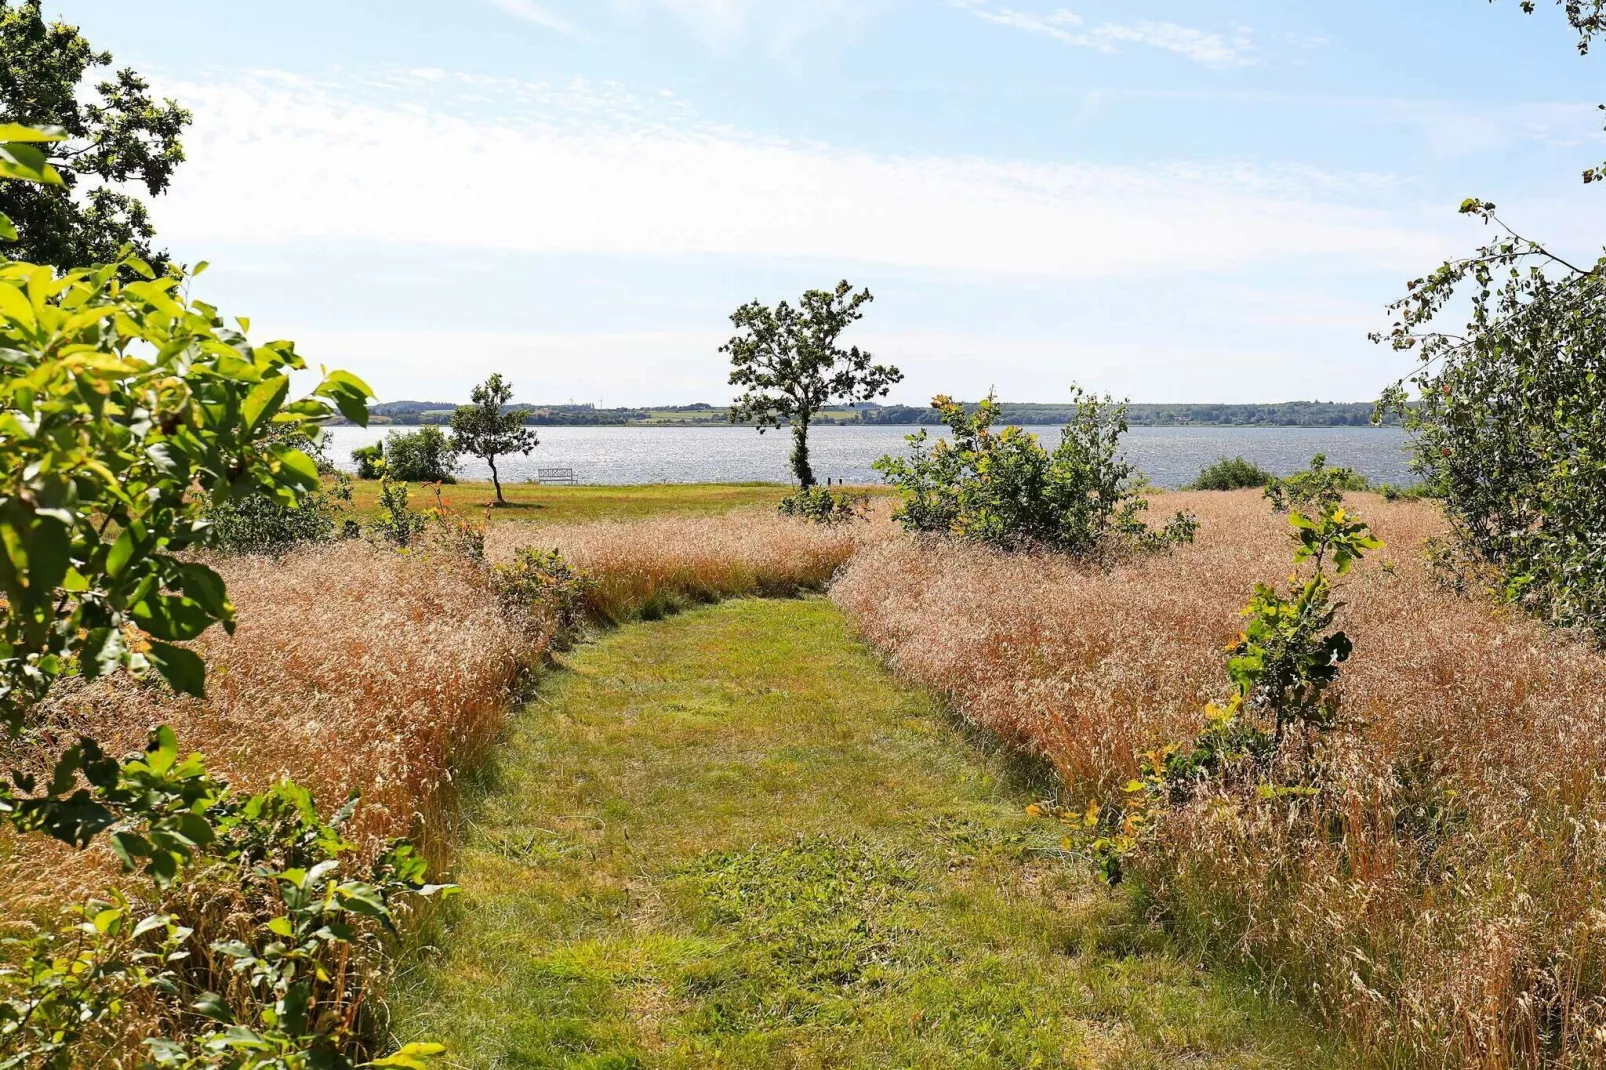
(15, 307)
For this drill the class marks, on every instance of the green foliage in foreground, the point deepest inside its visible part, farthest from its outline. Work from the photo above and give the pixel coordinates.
(1231, 473)
(699, 848)
(1006, 490)
(287, 992)
(127, 412)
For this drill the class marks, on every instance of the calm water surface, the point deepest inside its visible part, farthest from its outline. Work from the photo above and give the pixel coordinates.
(1169, 456)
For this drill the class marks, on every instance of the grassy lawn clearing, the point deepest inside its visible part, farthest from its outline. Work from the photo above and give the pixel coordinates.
(564, 504)
(731, 839)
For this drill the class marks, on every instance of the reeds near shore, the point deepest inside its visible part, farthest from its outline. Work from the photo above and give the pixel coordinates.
(1441, 900)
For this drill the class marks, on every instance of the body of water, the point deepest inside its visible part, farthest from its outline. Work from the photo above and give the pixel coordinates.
(1169, 456)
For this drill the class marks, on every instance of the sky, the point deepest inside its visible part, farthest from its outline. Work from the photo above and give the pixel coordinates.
(1167, 200)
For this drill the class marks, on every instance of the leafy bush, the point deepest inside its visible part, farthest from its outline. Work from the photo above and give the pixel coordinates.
(824, 506)
(546, 591)
(398, 524)
(1411, 492)
(259, 524)
(422, 456)
(1281, 669)
(1317, 490)
(125, 411)
(1510, 418)
(287, 991)
(370, 460)
(1231, 473)
(1006, 490)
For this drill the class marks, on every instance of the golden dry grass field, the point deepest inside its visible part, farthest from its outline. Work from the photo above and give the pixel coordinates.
(1438, 900)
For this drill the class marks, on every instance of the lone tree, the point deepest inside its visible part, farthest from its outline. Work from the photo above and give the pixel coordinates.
(488, 429)
(117, 138)
(791, 367)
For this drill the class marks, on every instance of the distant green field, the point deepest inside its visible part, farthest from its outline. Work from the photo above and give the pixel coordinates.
(557, 504)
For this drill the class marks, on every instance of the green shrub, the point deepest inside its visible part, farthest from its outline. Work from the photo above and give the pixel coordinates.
(398, 524)
(1413, 492)
(285, 990)
(823, 506)
(422, 456)
(1317, 490)
(370, 460)
(1281, 669)
(1232, 473)
(126, 411)
(1509, 414)
(543, 589)
(259, 524)
(1006, 490)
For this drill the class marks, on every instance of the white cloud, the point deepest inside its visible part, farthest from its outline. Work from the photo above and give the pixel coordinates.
(777, 26)
(530, 11)
(1211, 49)
(596, 169)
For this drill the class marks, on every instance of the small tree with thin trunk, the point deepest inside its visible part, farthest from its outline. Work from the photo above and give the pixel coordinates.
(788, 361)
(488, 429)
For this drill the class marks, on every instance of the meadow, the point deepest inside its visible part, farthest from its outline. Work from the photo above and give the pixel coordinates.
(1435, 904)
(1437, 898)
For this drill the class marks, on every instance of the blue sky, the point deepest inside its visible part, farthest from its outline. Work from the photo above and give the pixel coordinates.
(1210, 200)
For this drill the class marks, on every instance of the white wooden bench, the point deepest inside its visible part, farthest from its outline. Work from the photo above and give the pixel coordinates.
(554, 475)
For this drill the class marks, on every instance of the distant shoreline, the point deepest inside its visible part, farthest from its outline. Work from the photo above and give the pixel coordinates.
(1283, 414)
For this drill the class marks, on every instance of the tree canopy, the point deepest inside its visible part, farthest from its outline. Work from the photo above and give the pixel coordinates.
(1509, 423)
(116, 136)
(488, 429)
(790, 366)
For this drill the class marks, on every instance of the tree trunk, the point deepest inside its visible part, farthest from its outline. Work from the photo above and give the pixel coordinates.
(800, 453)
(492, 462)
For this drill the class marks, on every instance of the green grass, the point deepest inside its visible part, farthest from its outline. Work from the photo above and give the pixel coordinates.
(730, 839)
(559, 504)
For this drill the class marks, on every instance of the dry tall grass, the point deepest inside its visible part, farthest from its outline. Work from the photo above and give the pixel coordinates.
(357, 668)
(652, 566)
(352, 668)
(1442, 899)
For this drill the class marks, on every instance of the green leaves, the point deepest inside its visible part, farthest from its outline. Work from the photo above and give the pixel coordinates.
(99, 453)
(183, 669)
(790, 365)
(21, 159)
(415, 1056)
(264, 400)
(350, 395)
(1007, 490)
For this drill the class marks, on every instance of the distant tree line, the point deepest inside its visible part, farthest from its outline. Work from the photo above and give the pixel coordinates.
(1283, 414)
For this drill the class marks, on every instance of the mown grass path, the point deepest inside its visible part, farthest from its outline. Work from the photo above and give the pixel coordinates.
(730, 839)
